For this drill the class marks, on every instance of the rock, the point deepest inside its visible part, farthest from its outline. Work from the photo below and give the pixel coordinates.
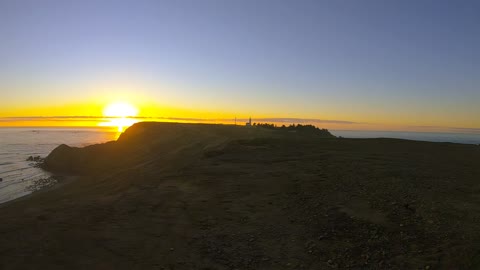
(409, 207)
(34, 158)
(86, 160)
(70, 159)
(61, 158)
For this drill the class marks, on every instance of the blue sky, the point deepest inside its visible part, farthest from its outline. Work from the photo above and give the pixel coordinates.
(385, 62)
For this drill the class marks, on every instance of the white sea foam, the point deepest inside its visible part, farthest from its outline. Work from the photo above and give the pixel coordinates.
(17, 144)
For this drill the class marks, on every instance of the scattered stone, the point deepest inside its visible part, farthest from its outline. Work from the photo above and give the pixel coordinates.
(34, 158)
(42, 183)
(323, 236)
(409, 207)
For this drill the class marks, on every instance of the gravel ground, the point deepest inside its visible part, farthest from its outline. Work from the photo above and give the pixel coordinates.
(258, 201)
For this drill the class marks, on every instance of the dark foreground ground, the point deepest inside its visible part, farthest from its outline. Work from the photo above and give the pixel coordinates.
(209, 197)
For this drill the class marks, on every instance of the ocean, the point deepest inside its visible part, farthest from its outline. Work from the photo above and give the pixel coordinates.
(21, 177)
(467, 138)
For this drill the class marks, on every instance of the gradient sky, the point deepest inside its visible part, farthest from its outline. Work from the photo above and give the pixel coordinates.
(384, 64)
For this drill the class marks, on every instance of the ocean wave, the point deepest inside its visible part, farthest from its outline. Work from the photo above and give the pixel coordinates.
(6, 163)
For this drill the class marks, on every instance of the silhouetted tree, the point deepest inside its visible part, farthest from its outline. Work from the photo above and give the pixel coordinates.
(310, 129)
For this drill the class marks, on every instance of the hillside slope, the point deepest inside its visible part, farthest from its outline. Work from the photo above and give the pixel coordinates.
(180, 196)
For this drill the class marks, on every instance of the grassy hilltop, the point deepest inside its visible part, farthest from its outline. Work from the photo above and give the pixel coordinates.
(190, 196)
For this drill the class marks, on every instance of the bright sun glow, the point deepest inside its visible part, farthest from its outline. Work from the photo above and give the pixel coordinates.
(120, 109)
(121, 114)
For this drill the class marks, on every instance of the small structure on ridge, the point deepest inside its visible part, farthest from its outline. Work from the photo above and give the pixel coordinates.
(249, 123)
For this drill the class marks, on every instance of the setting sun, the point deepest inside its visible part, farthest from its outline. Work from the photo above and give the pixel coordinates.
(120, 115)
(120, 109)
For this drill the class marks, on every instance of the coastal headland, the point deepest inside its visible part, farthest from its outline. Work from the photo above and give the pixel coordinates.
(195, 196)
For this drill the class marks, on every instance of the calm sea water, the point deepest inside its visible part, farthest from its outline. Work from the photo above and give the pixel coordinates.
(470, 138)
(17, 144)
(19, 176)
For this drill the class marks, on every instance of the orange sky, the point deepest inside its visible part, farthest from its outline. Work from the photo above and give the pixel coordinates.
(174, 102)
(92, 114)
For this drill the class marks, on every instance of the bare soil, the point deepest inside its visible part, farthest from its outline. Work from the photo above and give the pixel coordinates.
(171, 196)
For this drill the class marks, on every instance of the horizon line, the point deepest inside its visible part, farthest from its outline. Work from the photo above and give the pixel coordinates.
(347, 125)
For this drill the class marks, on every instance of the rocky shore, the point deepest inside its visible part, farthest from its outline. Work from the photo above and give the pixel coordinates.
(186, 196)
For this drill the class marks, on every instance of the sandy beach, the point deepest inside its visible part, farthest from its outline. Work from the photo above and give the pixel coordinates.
(193, 196)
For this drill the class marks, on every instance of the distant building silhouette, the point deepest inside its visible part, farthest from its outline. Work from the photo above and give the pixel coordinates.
(249, 123)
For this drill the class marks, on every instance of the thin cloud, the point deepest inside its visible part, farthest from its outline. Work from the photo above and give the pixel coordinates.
(305, 120)
(278, 120)
(96, 118)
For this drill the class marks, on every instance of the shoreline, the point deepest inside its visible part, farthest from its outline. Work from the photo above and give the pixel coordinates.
(61, 181)
(20, 149)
